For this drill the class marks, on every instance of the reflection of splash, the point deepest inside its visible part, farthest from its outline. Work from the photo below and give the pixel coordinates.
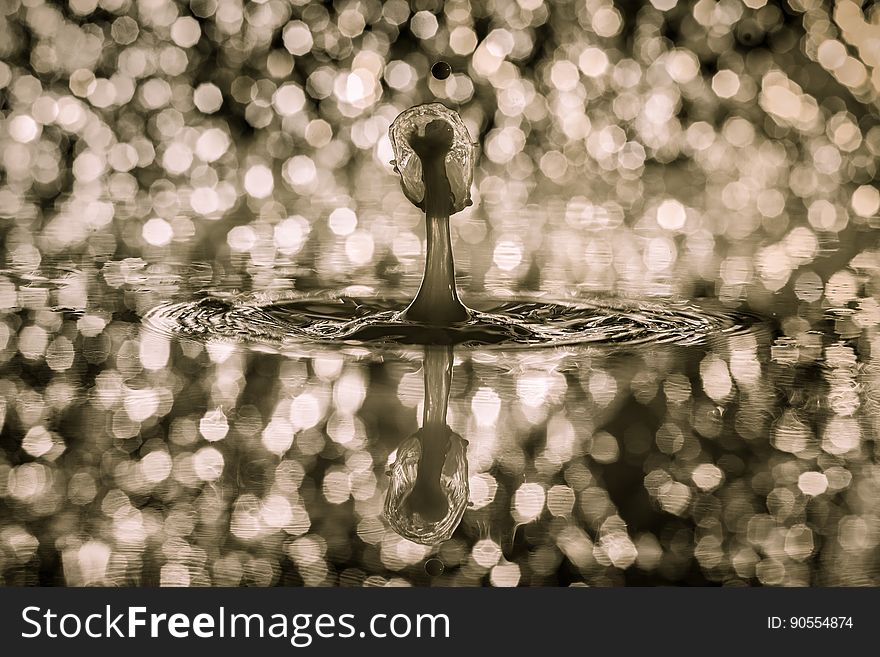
(421, 509)
(428, 492)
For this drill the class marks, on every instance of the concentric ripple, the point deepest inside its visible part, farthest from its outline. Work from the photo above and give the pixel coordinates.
(527, 322)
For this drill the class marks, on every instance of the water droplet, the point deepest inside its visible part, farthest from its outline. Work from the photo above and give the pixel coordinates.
(434, 567)
(441, 70)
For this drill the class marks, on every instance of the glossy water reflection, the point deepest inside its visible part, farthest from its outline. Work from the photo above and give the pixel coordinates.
(747, 459)
(428, 491)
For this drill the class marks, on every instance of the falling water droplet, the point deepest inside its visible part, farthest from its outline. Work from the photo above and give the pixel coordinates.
(441, 70)
(434, 567)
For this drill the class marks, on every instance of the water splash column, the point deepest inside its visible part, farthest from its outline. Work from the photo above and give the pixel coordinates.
(435, 159)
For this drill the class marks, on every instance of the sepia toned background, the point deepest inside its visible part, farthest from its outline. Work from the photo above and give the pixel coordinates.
(155, 150)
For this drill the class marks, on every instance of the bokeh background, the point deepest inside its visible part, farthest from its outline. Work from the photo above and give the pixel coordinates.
(154, 150)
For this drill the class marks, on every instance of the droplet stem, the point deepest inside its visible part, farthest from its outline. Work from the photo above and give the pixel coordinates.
(428, 497)
(437, 300)
(438, 380)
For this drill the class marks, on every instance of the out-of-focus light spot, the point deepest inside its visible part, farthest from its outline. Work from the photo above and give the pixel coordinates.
(259, 181)
(207, 98)
(208, 464)
(185, 32)
(528, 502)
(288, 99)
(506, 574)
(831, 54)
(560, 500)
(141, 404)
(852, 72)
(399, 75)
(279, 64)
(841, 435)
(336, 487)
(204, 200)
(812, 483)
(423, 24)
(37, 441)
(406, 245)
(123, 157)
(61, 354)
(607, 21)
(611, 139)
(290, 234)
(716, 378)
(318, 133)
(801, 244)
(349, 393)
(682, 65)
(486, 553)
(297, 38)
(351, 22)
(799, 543)
(276, 511)
(82, 82)
(212, 144)
(485, 405)
(92, 559)
(483, 488)
(23, 129)
(553, 165)
(660, 254)
(664, 5)
(462, 40)
(342, 221)
(866, 201)
(593, 62)
(241, 238)
(277, 437)
(156, 466)
(356, 88)
(809, 287)
(564, 75)
(771, 202)
(177, 158)
(300, 171)
(157, 232)
(359, 247)
(725, 83)
(674, 497)
(791, 435)
(617, 549)
(329, 366)
(504, 144)
(507, 255)
(707, 477)
(305, 411)
(88, 166)
(604, 447)
(214, 426)
(671, 215)
(841, 288)
(124, 30)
